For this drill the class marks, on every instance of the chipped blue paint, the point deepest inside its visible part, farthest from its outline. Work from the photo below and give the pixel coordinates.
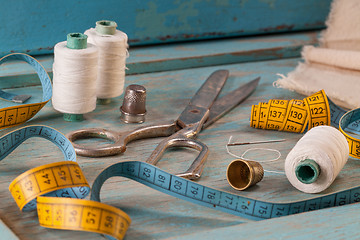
(36, 26)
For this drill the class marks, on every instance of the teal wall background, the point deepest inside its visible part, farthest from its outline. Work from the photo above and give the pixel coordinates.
(34, 27)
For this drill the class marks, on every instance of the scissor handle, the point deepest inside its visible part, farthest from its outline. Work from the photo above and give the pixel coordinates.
(178, 140)
(120, 139)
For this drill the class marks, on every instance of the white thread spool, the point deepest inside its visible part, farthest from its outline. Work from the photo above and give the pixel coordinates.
(113, 51)
(74, 77)
(316, 159)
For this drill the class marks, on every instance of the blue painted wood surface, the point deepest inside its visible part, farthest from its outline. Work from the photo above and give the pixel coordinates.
(339, 223)
(158, 216)
(6, 233)
(181, 56)
(34, 27)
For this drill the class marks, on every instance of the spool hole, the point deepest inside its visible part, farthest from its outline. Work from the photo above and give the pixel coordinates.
(105, 23)
(76, 35)
(307, 171)
(106, 27)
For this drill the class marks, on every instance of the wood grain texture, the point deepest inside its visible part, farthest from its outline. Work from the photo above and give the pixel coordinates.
(180, 56)
(156, 215)
(323, 224)
(35, 27)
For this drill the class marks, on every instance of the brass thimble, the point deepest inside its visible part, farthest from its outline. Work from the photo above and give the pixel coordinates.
(242, 174)
(133, 108)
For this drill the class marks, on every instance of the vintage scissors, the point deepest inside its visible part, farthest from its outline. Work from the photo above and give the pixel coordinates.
(202, 111)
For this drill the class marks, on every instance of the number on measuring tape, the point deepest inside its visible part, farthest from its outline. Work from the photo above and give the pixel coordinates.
(220, 200)
(79, 214)
(11, 116)
(66, 211)
(292, 116)
(55, 189)
(299, 115)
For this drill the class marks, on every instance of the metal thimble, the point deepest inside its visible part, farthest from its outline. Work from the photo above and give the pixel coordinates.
(133, 107)
(242, 174)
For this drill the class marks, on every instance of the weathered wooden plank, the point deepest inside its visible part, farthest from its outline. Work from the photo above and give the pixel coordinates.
(181, 56)
(6, 232)
(156, 215)
(37, 26)
(339, 223)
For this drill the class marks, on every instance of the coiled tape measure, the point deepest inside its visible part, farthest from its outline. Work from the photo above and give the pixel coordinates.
(65, 179)
(16, 115)
(301, 115)
(57, 189)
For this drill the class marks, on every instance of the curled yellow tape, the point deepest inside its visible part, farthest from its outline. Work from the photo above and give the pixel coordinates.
(298, 115)
(85, 215)
(45, 179)
(292, 115)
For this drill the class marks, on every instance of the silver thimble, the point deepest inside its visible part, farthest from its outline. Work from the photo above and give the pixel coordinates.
(133, 107)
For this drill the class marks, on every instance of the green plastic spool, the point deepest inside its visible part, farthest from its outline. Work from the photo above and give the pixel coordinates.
(103, 101)
(75, 41)
(307, 171)
(73, 117)
(106, 27)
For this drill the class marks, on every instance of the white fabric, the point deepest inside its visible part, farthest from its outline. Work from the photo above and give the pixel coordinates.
(335, 65)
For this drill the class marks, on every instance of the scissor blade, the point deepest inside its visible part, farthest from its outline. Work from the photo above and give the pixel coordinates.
(230, 100)
(209, 91)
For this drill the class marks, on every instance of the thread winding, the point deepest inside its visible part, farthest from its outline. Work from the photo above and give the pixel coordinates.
(113, 51)
(74, 79)
(322, 146)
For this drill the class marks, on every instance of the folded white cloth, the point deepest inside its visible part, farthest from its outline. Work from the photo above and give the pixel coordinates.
(335, 65)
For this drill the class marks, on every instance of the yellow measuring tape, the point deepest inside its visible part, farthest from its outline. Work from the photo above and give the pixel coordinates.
(44, 179)
(79, 214)
(299, 115)
(15, 115)
(57, 189)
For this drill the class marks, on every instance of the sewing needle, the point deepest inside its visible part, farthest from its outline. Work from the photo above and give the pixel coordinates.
(255, 142)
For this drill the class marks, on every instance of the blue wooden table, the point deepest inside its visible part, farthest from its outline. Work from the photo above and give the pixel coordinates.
(159, 216)
(171, 74)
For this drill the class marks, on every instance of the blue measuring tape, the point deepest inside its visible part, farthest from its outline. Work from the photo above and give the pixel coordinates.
(178, 187)
(12, 140)
(150, 175)
(15, 115)
(170, 184)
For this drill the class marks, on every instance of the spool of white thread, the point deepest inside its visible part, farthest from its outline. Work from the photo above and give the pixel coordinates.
(74, 76)
(113, 51)
(316, 159)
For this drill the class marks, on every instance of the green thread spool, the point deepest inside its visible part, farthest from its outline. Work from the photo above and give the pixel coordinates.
(105, 27)
(75, 41)
(307, 171)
